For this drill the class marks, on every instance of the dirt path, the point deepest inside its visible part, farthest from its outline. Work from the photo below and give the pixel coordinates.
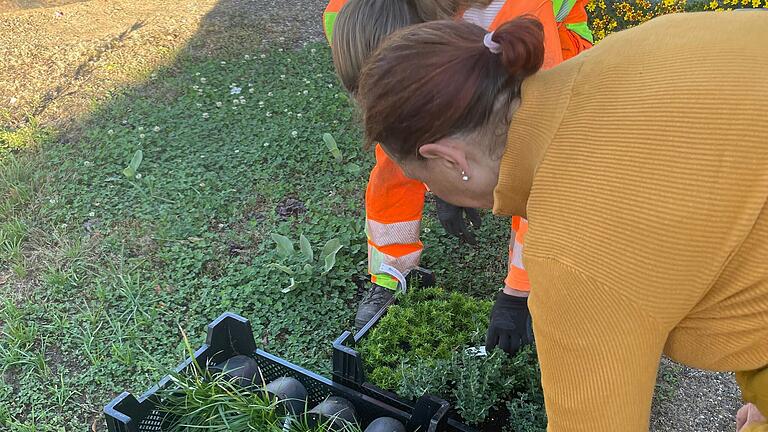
(58, 63)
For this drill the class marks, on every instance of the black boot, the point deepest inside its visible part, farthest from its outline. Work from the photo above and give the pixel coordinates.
(373, 301)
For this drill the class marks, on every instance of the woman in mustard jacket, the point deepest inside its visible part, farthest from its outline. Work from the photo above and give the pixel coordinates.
(654, 136)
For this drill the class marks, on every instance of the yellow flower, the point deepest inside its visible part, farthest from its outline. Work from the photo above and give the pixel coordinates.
(713, 5)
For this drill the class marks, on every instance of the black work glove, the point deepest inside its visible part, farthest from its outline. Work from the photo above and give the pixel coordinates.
(452, 218)
(509, 324)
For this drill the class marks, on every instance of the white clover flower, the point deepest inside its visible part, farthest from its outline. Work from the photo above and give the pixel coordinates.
(138, 176)
(298, 115)
(247, 57)
(269, 114)
(306, 92)
(269, 94)
(92, 214)
(198, 105)
(234, 107)
(280, 49)
(313, 50)
(197, 73)
(235, 101)
(266, 144)
(110, 132)
(306, 81)
(223, 62)
(202, 184)
(202, 80)
(250, 90)
(156, 128)
(427, 230)
(218, 104)
(282, 76)
(52, 200)
(250, 84)
(237, 151)
(263, 56)
(205, 115)
(141, 128)
(261, 103)
(195, 87)
(141, 136)
(294, 134)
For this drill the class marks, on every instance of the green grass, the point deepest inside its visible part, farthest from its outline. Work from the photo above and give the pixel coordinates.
(99, 271)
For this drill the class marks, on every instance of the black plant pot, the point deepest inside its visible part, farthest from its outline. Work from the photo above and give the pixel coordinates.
(291, 395)
(385, 424)
(243, 369)
(335, 413)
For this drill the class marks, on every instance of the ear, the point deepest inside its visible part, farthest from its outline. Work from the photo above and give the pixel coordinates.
(442, 151)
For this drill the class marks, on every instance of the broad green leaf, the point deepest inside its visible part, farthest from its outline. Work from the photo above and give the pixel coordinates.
(329, 254)
(284, 245)
(284, 269)
(353, 168)
(330, 246)
(133, 167)
(332, 146)
(306, 248)
(308, 268)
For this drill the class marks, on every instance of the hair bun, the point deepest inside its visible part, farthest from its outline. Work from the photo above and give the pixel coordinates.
(522, 45)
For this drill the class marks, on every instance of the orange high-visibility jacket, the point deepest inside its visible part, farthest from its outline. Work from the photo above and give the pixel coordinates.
(394, 203)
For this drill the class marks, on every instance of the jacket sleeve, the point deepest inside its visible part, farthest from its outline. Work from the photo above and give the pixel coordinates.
(599, 351)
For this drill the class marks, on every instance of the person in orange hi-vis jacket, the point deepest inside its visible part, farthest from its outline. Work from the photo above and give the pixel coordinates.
(394, 202)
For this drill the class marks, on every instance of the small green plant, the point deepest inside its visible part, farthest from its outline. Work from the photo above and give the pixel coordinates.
(302, 266)
(330, 143)
(133, 166)
(420, 347)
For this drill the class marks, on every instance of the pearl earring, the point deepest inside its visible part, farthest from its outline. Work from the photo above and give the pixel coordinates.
(464, 176)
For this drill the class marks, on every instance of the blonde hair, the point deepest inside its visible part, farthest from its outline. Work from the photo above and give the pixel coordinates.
(362, 25)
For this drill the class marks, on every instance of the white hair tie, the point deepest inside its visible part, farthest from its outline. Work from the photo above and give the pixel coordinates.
(489, 43)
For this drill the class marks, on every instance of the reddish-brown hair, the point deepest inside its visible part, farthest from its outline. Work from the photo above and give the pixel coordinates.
(438, 79)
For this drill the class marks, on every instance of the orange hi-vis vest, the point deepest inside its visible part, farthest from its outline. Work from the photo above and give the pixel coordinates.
(565, 24)
(394, 203)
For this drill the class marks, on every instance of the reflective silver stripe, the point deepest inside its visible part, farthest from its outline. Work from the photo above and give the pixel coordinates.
(484, 17)
(516, 256)
(394, 233)
(403, 264)
(565, 9)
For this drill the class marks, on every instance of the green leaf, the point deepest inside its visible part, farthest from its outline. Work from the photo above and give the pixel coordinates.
(133, 167)
(306, 248)
(353, 168)
(308, 269)
(332, 146)
(331, 248)
(284, 245)
(284, 269)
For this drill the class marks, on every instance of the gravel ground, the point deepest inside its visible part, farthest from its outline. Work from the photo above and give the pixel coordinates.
(58, 61)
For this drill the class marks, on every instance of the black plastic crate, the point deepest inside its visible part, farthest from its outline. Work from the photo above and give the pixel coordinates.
(231, 335)
(349, 367)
